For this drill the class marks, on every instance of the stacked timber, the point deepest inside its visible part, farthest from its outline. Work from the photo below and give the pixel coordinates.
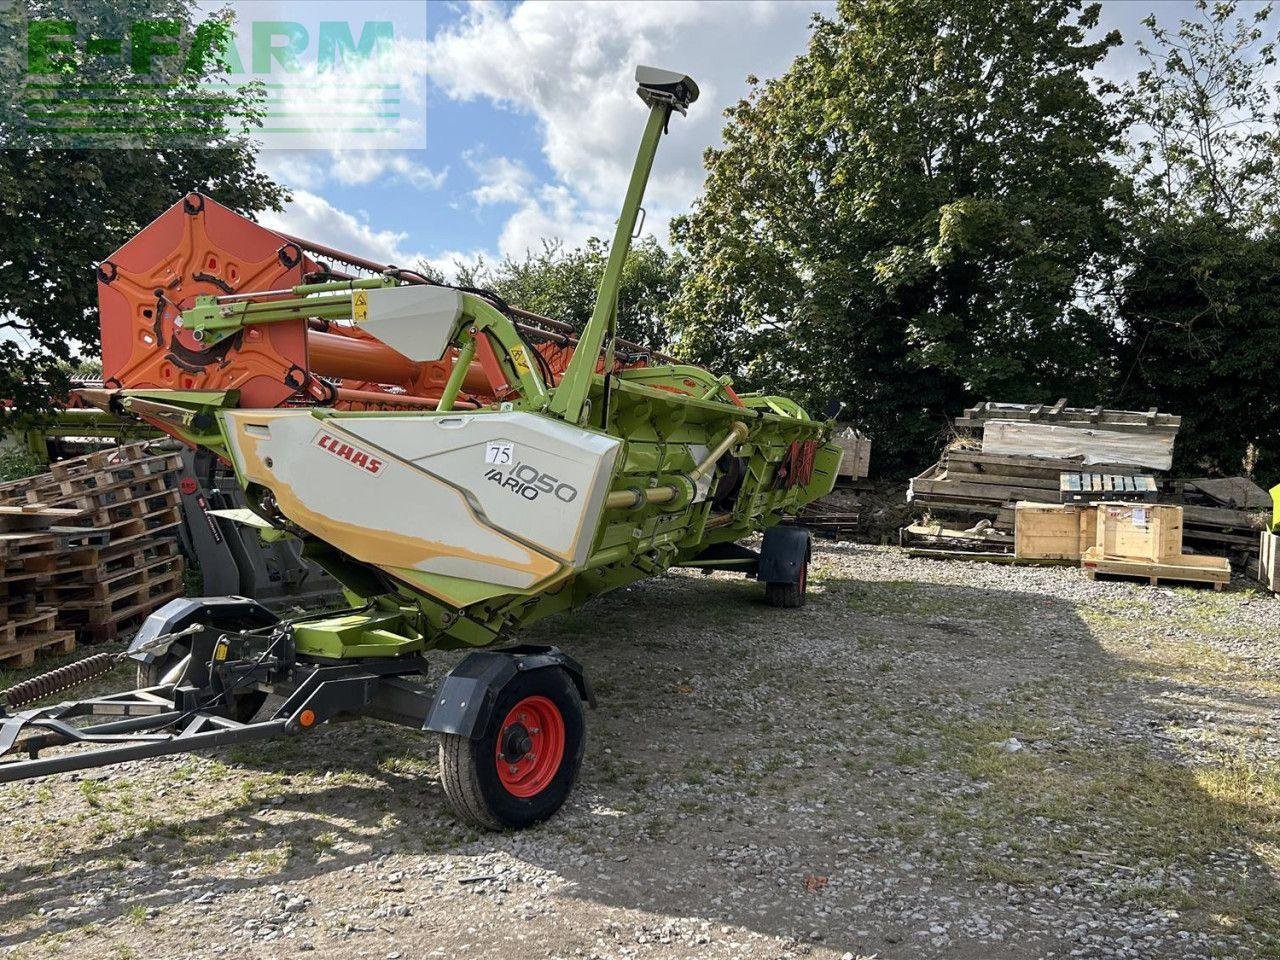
(1009, 453)
(29, 626)
(1222, 514)
(108, 554)
(1005, 453)
(972, 484)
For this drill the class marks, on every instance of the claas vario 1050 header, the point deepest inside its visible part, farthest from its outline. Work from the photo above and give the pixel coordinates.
(462, 467)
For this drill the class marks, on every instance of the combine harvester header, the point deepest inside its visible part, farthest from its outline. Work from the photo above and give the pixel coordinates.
(463, 468)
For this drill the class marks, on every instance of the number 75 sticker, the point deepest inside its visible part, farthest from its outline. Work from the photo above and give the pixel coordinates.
(498, 452)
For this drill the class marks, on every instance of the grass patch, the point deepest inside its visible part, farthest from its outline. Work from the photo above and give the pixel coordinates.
(993, 870)
(1140, 809)
(910, 756)
(902, 598)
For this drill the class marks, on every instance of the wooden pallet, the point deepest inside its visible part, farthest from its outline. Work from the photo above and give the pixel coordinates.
(99, 460)
(36, 518)
(97, 610)
(126, 620)
(22, 653)
(15, 606)
(91, 563)
(1095, 418)
(1189, 568)
(79, 480)
(40, 620)
(103, 585)
(105, 486)
(115, 505)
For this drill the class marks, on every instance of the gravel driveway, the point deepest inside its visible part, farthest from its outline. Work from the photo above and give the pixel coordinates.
(928, 760)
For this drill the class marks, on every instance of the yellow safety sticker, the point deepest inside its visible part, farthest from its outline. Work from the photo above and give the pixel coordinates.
(519, 360)
(360, 306)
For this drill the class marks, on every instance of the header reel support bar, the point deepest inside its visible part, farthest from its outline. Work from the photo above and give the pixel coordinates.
(663, 91)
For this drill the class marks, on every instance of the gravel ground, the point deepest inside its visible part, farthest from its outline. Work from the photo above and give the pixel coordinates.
(928, 760)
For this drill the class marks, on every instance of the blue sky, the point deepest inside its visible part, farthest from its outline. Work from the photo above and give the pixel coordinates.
(531, 122)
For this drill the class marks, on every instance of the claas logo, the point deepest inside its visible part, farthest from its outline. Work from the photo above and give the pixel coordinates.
(353, 455)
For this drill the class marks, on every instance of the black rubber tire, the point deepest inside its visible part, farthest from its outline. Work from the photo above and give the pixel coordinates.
(788, 594)
(468, 767)
(243, 708)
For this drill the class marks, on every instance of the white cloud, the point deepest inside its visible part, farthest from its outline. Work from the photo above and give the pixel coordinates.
(350, 167)
(542, 210)
(313, 217)
(502, 179)
(365, 166)
(448, 261)
(571, 64)
(552, 211)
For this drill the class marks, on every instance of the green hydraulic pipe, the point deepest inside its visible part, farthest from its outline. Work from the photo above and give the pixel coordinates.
(571, 395)
(459, 372)
(634, 498)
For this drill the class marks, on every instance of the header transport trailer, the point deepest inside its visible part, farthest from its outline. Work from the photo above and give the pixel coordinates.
(461, 467)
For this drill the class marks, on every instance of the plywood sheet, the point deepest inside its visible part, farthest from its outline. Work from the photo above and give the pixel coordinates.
(1087, 446)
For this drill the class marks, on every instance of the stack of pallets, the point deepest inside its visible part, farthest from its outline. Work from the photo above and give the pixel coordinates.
(1010, 453)
(1006, 454)
(118, 560)
(28, 626)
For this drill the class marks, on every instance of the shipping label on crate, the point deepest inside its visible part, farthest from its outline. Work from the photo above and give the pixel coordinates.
(1140, 516)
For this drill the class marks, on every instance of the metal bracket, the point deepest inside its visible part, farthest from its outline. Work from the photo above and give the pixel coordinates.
(156, 721)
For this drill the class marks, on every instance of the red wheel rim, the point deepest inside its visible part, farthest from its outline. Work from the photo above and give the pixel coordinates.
(530, 747)
(804, 575)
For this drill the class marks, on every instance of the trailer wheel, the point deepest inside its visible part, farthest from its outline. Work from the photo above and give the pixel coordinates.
(788, 594)
(520, 770)
(243, 707)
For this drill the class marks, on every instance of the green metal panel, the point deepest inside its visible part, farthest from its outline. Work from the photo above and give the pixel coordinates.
(380, 634)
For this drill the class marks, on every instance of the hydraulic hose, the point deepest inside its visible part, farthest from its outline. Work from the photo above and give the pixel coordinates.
(633, 498)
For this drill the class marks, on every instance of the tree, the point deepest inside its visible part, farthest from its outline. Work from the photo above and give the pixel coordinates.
(912, 217)
(70, 196)
(1203, 118)
(1197, 306)
(562, 284)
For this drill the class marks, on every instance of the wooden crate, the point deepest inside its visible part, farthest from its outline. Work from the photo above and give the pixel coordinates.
(1192, 568)
(1053, 531)
(856, 462)
(1135, 531)
(1269, 560)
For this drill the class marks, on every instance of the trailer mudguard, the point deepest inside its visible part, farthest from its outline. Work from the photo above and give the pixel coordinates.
(783, 554)
(227, 613)
(464, 700)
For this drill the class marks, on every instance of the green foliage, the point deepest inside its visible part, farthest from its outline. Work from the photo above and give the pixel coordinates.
(1198, 306)
(65, 206)
(1201, 331)
(17, 463)
(562, 284)
(912, 216)
(1203, 121)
